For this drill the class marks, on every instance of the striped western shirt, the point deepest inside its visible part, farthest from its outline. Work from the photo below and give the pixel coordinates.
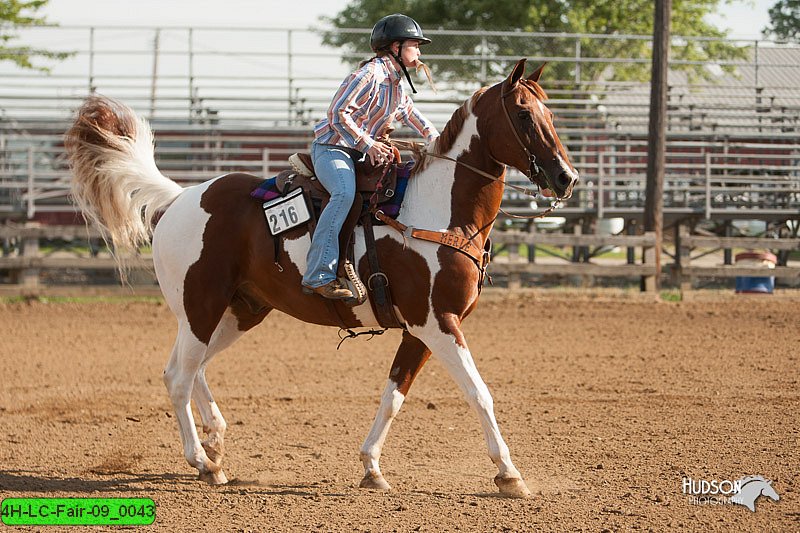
(368, 101)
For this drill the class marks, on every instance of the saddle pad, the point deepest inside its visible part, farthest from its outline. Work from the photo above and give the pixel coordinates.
(266, 190)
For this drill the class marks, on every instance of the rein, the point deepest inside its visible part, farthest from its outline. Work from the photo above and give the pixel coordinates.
(419, 148)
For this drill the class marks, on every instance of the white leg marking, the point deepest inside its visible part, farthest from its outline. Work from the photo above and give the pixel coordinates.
(187, 357)
(458, 362)
(214, 425)
(391, 401)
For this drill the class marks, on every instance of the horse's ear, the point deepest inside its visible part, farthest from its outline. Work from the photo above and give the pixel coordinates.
(537, 73)
(516, 74)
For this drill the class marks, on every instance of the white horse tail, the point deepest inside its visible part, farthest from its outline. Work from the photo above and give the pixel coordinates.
(115, 179)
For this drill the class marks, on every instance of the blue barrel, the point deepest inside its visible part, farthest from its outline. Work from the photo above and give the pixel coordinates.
(755, 285)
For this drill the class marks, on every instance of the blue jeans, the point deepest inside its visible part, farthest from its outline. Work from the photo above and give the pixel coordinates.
(336, 170)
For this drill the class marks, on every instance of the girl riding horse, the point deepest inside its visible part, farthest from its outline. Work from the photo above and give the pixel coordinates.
(366, 103)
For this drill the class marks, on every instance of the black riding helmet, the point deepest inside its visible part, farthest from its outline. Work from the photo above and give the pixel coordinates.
(393, 28)
(397, 27)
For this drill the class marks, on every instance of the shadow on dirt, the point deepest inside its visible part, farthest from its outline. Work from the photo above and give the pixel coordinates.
(27, 481)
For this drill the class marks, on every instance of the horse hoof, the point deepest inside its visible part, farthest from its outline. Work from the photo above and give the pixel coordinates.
(214, 478)
(512, 487)
(375, 482)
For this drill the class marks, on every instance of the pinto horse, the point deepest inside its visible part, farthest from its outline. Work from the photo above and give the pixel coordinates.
(215, 261)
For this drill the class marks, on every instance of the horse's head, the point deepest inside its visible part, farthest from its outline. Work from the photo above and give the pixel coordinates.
(523, 133)
(768, 491)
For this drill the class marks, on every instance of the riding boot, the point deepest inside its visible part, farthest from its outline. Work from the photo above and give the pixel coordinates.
(333, 290)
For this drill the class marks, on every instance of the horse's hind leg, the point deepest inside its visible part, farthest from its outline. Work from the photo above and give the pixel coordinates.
(213, 423)
(187, 357)
(411, 355)
(226, 333)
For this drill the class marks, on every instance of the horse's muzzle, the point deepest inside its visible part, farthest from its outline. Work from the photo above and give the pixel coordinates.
(564, 183)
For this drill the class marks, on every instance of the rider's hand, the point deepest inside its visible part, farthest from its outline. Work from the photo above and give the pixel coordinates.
(380, 154)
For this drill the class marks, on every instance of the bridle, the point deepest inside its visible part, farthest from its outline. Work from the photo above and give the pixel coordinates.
(479, 254)
(533, 169)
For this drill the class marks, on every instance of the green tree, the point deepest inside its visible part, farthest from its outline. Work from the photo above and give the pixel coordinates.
(17, 14)
(611, 18)
(784, 20)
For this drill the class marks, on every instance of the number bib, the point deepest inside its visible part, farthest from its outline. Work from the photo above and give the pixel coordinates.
(286, 212)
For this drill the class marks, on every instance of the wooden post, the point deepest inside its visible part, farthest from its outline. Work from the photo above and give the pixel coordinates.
(514, 277)
(577, 229)
(683, 258)
(29, 276)
(532, 243)
(657, 134)
(600, 189)
(727, 254)
(631, 251)
(589, 228)
(577, 253)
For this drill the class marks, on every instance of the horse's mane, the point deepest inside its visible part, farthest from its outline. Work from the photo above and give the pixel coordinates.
(445, 141)
(453, 127)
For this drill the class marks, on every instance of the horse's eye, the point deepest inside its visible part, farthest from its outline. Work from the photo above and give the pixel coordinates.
(524, 115)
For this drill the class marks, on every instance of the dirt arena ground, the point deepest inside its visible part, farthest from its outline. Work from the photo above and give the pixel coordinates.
(607, 403)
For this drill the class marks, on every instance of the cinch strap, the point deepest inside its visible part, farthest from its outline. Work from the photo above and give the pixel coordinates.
(378, 283)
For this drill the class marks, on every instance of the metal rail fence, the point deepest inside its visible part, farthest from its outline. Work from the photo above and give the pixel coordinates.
(266, 77)
(223, 99)
(703, 180)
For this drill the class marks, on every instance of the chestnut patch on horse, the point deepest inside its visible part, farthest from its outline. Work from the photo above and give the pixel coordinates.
(409, 278)
(236, 267)
(408, 361)
(444, 143)
(474, 191)
(212, 280)
(455, 292)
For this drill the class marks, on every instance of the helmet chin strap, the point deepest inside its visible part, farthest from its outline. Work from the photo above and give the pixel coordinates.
(402, 65)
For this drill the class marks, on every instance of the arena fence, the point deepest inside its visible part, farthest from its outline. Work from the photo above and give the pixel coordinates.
(225, 99)
(76, 259)
(244, 99)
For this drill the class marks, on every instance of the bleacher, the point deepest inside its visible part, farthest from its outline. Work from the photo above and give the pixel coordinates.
(224, 100)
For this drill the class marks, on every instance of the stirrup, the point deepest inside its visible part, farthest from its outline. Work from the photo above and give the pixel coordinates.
(354, 283)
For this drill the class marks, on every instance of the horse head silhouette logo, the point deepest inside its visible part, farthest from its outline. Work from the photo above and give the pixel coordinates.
(752, 488)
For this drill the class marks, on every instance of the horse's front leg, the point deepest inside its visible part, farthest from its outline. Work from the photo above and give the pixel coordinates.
(213, 423)
(408, 361)
(445, 339)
